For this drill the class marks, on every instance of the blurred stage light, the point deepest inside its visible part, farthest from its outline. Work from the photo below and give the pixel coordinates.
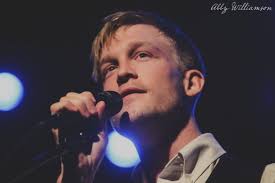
(11, 91)
(121, 151)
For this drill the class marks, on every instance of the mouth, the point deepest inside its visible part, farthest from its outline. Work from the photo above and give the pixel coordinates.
(131, 90)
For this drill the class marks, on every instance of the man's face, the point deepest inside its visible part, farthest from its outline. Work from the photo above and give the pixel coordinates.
(139, 62)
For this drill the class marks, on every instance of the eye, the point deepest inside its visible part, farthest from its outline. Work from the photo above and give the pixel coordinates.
(142, 56)
(109, 69)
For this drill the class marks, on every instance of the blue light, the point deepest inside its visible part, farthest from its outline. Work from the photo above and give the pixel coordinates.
(121, 151)
(11, 91)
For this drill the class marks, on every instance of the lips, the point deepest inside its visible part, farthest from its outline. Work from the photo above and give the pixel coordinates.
(131, 90)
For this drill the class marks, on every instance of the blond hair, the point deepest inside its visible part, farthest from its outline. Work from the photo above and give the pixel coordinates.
(189, 56)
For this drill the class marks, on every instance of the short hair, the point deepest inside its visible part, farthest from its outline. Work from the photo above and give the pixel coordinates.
(188, 54)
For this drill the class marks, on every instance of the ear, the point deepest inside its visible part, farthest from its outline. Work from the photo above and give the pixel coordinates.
(193, 82)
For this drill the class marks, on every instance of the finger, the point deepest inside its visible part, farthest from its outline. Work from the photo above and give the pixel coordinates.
(87, 98)
(89, 95)
(72, 94)
(100, 108)
(98, 150)
(83, 160)
(80, 95)
(78, 103)
(60, 106)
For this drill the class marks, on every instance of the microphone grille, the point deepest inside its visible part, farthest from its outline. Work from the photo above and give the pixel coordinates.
(113, 101)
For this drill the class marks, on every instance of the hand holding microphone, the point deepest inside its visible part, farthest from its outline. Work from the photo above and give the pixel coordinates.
(88, 106)
(79, 112)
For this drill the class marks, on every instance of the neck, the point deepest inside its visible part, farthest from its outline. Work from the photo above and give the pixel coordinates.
(186, 135)
(154, 159)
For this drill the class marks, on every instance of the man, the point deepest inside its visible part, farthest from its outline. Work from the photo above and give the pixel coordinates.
(160, 74)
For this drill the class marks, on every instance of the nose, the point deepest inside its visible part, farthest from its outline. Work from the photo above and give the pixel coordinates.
(126, 72)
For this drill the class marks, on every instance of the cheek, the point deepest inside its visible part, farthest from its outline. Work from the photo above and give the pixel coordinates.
(162, 78)
(110, 84)
(166, 86)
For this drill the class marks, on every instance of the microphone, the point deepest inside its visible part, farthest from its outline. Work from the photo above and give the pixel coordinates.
(76, 134)
(113, 102)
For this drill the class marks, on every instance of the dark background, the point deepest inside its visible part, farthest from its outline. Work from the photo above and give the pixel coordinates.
(47, 46)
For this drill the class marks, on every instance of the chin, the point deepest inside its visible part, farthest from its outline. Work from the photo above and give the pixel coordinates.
(126, 118)
(140, 119)
(139, 113)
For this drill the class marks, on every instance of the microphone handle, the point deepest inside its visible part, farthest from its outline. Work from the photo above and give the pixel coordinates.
(76, 136)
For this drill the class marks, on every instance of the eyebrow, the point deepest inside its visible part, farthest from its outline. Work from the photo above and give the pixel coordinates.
(135, 45)
(131, 48)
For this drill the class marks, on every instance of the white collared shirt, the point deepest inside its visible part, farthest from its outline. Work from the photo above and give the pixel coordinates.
(194, 162)
(268, 175)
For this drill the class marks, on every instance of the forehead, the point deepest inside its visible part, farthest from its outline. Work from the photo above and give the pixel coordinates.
(141, 33)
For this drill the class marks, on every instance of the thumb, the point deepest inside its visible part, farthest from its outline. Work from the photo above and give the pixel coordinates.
(101, 107)
(98, 150)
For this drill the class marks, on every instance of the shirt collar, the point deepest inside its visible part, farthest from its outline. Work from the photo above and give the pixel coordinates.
(194, 158)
